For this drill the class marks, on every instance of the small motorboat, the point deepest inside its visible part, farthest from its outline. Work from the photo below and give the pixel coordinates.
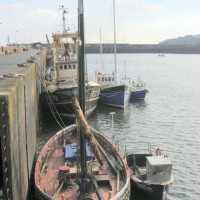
(138, 90)
(150, 174)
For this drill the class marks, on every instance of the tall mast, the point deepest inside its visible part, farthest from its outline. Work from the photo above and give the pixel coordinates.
(115, 59)
(81, 93)
(101, 51)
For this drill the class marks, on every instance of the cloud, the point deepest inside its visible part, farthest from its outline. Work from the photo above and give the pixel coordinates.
(156, 31)
(13, 7)
(141, 5)
(42, 13)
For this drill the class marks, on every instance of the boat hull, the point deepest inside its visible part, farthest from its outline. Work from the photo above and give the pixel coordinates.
(137, 95)
(116, 96)
(45, 184)
(60, 101)
(150, 174)
(156, 192)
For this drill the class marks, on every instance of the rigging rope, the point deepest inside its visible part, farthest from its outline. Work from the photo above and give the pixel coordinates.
(52, 106)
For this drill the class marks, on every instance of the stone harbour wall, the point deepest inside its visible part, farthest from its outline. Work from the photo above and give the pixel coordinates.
(19, 127)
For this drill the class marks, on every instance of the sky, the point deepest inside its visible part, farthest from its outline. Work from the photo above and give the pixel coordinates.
(137, 21)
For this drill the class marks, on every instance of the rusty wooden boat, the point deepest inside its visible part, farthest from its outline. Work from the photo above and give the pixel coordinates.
(57, 171)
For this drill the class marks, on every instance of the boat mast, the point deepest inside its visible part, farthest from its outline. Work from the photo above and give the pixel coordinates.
(63, 19)
(101, 52)
(115, 59)
(81, 93)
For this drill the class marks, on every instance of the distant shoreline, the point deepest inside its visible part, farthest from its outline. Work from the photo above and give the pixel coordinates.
(144, 48)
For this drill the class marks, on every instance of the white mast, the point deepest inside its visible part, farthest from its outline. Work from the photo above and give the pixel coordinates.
(101, 51)
(115, 43)
(63, 18)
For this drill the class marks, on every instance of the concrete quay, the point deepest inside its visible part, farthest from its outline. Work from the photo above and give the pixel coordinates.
(5, 50)
(20, 88)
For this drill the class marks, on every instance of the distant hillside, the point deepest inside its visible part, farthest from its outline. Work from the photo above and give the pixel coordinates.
(145, 48)
(186, 40)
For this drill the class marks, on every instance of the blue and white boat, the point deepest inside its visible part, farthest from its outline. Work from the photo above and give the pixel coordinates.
(112, 93)
(117, 96)
(138, 90)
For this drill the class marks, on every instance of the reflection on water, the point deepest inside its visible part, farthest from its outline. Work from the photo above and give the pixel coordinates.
(168, 118)
(139, 104)
(123, 122)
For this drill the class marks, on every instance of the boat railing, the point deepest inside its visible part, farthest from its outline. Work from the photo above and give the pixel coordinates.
(138, 147)
(124, 192)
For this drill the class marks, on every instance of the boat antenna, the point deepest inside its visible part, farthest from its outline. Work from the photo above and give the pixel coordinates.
(63, 18)
(125, 68)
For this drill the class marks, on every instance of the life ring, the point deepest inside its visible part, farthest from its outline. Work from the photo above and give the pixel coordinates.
(158, 152)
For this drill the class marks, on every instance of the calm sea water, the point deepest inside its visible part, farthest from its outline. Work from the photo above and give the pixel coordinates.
(169, 117)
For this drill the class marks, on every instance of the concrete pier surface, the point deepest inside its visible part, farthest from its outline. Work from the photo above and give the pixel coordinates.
(8, 63)
(20, 88)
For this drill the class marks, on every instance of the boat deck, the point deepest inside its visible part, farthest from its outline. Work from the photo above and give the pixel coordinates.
(49, 183)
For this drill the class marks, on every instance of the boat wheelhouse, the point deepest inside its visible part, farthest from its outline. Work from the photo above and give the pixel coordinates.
(151, 174)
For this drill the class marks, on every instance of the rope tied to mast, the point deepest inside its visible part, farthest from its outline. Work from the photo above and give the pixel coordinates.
(86, 129)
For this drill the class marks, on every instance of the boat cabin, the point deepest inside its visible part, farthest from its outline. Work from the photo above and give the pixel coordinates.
(105, 79)
(66, 70)
(158, 168)
(138, 84)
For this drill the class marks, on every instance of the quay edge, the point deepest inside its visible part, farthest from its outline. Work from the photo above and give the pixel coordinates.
(19, 123)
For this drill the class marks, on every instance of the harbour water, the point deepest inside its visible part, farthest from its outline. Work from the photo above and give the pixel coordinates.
(168, 118)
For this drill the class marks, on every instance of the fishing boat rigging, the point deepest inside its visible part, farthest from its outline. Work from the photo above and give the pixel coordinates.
(62, 77)
(112, 93)
(79, 162)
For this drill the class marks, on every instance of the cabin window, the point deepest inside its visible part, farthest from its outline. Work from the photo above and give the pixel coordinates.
(148, 168)
(106, 79)
(70, 67)
(167, 169)
(74, 66)
(158, 170)
(98, 79)
(102, 79)
(65, 66)
(61, 67)
(109, 78)
(112, 79)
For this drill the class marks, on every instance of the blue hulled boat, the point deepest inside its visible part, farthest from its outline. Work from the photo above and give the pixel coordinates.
(138, 90)
(116, 96)
(112, 93)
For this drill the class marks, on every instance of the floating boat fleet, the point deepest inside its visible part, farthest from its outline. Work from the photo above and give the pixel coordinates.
(79, 162)
(61, 80)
